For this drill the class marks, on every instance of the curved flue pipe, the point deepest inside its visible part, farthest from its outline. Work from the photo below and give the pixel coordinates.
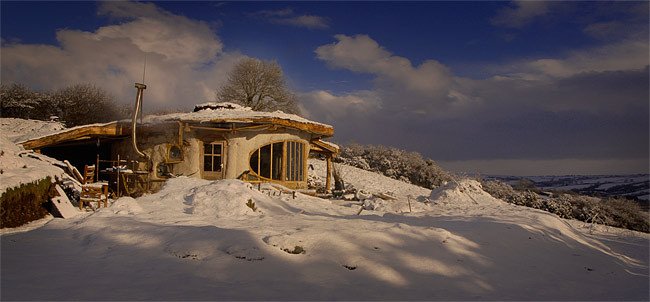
(136, 110)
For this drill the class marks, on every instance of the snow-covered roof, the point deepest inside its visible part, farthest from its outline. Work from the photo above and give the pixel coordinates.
(205, 113)
(225, 112)
(222, 105)
(17, 130)
(18, 168)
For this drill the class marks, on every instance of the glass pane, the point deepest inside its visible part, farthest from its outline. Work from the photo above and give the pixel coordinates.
(217, 163)
(265, 161)
(207, 148)
(175, 153)
(295, 162)
(207, 163)
(288, 164)
(299, 165)
(276, 172)
(217, 149)
(253, 161)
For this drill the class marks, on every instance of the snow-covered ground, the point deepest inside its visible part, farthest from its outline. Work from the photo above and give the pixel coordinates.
(198, 240)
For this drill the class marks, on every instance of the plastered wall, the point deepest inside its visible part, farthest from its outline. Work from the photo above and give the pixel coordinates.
(238, 147)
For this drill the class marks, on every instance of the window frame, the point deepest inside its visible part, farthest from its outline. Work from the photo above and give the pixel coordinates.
(285, 158)
(169, 159)
(213, 174)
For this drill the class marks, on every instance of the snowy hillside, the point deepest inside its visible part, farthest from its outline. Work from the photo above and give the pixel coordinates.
(225, 240)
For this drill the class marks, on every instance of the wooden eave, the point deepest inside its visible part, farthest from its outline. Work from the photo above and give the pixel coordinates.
(323, 147)
(319, 130)
(113, 129)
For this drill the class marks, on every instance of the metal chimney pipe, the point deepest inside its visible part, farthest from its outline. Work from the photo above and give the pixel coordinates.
(138, 108)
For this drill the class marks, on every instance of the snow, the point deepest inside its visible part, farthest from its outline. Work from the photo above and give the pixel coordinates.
(463, 193)
(198, 240)
(64, 130)
(16, 130)
(18, 166)
(224, 111)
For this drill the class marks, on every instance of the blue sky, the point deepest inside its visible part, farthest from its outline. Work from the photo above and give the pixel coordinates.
(490, 87)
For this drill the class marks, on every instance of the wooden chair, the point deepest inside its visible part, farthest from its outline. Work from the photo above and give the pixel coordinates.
(89, 174)
(92, 191)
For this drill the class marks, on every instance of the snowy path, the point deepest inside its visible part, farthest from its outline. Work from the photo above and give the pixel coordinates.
(197, 240)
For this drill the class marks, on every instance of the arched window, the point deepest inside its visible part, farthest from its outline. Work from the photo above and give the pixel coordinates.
(279, 161)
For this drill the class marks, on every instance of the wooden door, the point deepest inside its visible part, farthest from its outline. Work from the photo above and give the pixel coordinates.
(213, 162)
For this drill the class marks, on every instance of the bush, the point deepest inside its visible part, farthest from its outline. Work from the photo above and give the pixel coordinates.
(75, 105)
(614, 212)
(407, 166)
(26, 203)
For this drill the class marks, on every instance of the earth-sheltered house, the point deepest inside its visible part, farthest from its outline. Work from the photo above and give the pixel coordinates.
(215, 141)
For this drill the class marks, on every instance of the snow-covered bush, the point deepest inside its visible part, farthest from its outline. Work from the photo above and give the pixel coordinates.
(398, 164)
(18, 101)
(613, 212)
(25, 203)
(75, 105)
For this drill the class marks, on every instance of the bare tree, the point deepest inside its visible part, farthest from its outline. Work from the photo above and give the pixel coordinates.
(260, 85)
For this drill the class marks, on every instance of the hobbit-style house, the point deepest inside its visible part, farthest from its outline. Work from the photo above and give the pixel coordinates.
(215, 141)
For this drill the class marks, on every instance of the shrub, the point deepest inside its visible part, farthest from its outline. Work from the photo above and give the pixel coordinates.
(613, 212)
(76, 105)
(399, 164)
(251, 204)
(25, 203)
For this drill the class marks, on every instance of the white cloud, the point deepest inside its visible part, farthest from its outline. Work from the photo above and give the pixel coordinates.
(520, 13)
(624, 55)
(288, 17)
(329, 107)
(185, 62)
(429, 84)
(309, 21)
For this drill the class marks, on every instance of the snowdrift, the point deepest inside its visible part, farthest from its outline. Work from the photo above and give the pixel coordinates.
(464, 192)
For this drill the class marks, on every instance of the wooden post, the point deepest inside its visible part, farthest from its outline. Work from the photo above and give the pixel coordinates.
(409, 199)
(328, 178)
(97, 168)
(117, 180)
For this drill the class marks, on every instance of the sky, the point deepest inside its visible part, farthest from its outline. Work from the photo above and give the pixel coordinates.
(510, 88)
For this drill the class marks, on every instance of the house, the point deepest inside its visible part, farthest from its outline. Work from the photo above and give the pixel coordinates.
(215, 141)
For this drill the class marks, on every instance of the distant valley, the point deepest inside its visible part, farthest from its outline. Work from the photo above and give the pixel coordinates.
(636, 186)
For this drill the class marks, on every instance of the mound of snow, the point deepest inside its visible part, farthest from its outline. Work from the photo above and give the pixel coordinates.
(369, 182)
(225, 198)
(126, 206)
(465, 192)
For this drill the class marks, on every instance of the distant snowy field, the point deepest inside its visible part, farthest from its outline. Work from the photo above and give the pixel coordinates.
(636, 185)
(198, 240)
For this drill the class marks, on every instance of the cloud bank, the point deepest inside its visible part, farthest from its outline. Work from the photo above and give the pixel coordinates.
(185, 58)
(589, 104)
